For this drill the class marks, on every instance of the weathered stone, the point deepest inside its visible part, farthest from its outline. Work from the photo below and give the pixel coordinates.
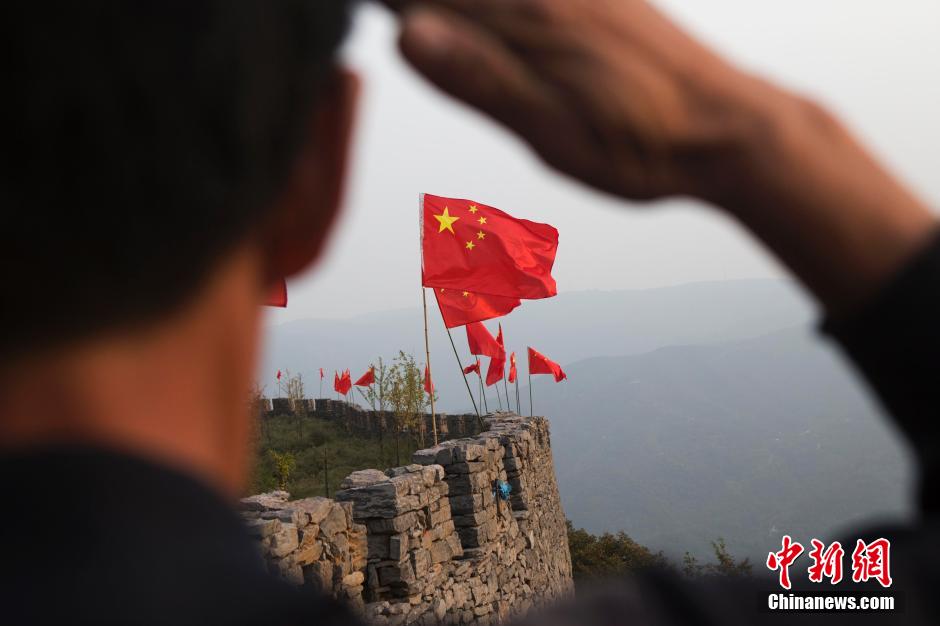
(284, 540)
(309, 553)
(363, 478)
(397, 547)
(319, 575)
(334, 522)
(317, 508)
(393, 525)
(354, 580)
(265, 501)
(421, 562)
(440, 552)
(261, 528)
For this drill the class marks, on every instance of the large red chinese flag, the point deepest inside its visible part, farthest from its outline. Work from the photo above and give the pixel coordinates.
(497, 369)
(278, 295)
(541, 364)
(474, 247)
(366, 379)
(345, 382)
(428, 383)
(459, 308)
(481, 341)
(512, 367)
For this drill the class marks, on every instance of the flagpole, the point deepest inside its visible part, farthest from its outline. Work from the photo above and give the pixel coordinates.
(518, 408)
(505, 389)
(465, 381)
(427, 351)
(482, 391)
(529, 367)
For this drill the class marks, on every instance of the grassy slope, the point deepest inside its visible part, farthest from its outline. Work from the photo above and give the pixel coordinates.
(343, 451)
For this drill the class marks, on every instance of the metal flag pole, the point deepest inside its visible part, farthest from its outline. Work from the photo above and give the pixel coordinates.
(465, 381)
(482, 391)
(529, 368)
(530, 395)
(424, 301)
(505, 389)
(518, 408)
(427, 351)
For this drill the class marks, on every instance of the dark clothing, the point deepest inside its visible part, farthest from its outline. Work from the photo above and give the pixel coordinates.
(91, 537)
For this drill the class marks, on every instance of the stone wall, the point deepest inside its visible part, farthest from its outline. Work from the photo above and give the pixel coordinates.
(438, 541)
(370, 423)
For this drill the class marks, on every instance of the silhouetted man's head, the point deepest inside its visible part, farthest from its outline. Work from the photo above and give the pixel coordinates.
(144, 140)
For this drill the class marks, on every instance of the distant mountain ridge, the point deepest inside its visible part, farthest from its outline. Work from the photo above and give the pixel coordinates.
(745, 440)
(567, 328)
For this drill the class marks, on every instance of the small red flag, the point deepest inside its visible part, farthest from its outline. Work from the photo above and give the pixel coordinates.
(321, 373)
(481, 341)
(512, 367)
(497, 369)
(336, 383)
(366, 379)
(459, 308)
(279, 374)
(428, 383)
(473, 368)
(278, 295)
(541, 364)
(345, 383)
(471, 246)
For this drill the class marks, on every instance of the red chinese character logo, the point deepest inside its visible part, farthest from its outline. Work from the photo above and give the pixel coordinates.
(872, 561)
(783, 559)
(826, 563)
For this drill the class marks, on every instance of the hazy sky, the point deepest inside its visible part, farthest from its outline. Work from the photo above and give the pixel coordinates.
(873, 62)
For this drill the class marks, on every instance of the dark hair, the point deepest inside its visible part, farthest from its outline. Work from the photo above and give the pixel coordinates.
(142, 140)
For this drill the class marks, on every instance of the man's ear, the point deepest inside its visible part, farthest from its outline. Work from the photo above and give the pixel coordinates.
(313, 191)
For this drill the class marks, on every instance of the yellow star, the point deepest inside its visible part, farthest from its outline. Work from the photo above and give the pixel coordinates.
(482, 220)
(466, 294)
(470, 245)
(446, 221)
(481, 235)
(473, 208)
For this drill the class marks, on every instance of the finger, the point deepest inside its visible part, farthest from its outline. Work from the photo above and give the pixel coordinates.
(475, 67)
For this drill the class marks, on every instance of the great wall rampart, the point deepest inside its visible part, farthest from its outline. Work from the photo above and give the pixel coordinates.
(363, 421)
(472, 532)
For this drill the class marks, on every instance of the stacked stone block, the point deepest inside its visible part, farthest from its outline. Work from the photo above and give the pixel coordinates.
(411, 539)
(311, 542)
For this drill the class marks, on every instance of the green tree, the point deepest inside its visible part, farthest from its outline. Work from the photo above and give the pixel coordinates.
(608, 555)
(725, 565)
(407, 399)
(615, 554)
(284, 464)
(295, 396)
(376, 395)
